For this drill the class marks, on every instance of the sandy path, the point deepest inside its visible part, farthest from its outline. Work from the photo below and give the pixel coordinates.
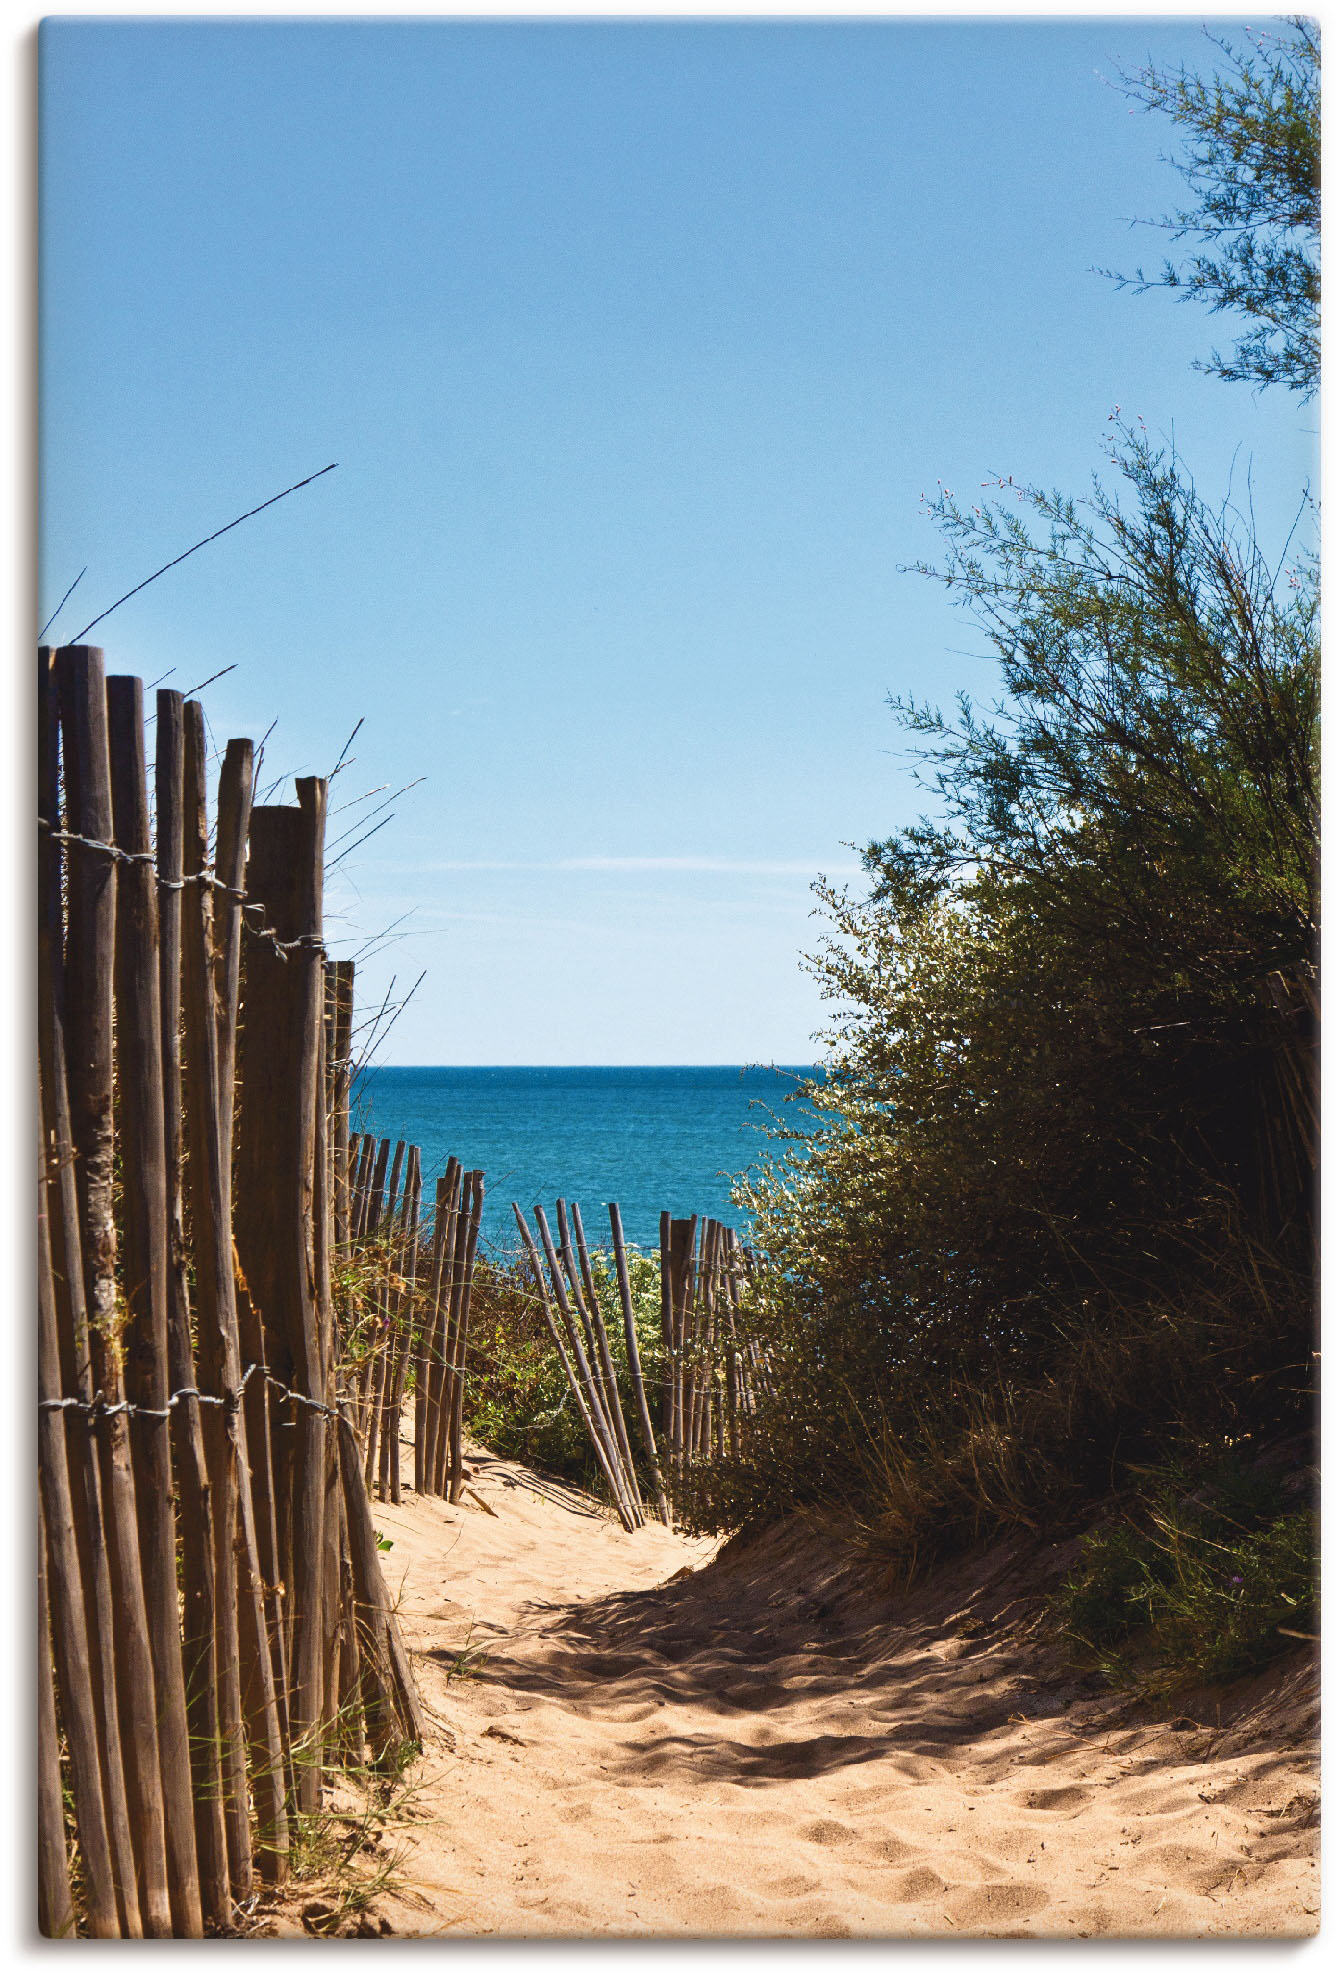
(761, 1747)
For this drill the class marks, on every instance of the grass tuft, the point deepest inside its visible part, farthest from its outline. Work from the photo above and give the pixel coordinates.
(1203, 1579)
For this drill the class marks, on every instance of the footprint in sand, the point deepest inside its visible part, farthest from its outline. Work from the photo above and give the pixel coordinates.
(1057, 1799)
(828, 1925)
(828, 1833)
(1151, 1802)
(1091, 1920)
(916, 1885)
(1175, 1856)
(717, 1900)
(892, 1849)
(1014, 1843)
(997, 1902)
(793, 1886)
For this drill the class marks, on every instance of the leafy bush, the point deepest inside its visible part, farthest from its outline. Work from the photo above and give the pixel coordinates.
(1253, 167)
(1197, 1583)
(1059, 1209)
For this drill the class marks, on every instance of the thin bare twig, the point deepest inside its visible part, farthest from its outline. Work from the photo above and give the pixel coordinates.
(217, 535)
(343, 756)
(259, 753)
(61, 604)
(365, 1061)
(358, 843)
(357, 799)
(406, 789)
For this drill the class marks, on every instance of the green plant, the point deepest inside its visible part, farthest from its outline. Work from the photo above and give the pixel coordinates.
(1058, 1208)
(1252, 162)
(468, 1661)
(1199, 1581)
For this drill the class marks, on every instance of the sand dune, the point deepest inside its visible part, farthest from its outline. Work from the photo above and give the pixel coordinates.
(632, 1738)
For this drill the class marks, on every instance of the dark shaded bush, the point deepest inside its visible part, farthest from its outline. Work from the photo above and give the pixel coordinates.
(1059, 1213)
(1210, 1576)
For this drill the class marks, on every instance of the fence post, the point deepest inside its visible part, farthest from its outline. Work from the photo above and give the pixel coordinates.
(70, 1633)
(73, 1351)
(274, 1214)
(216, 1325)
(90, 944)
(342, 1081)
(633, 1363)
(462, 1342)
(197, 1534)
(144, 1274)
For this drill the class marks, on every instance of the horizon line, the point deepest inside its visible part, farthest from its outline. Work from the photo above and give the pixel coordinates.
(379, 1066)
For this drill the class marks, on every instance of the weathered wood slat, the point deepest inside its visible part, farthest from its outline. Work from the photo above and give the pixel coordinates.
(612, 1394)
(199, 1588)
(70, 1639)
(633, 1362)
(576, 1378)
(274, 1231)
(443, 1259)
(55, 1904)
(90, 947)
(462, 1340)
(219, 1357)
(144, 1275)
(72, 1336)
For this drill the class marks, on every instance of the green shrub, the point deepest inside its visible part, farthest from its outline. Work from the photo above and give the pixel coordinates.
(1058, 1208)
(1195, 1583)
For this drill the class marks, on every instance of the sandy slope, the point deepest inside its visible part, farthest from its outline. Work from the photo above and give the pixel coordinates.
(762, 1746)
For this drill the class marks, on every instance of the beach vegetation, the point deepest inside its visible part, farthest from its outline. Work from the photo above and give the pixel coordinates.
(1207, 1576)
(1056, 1222)
(1250, 155)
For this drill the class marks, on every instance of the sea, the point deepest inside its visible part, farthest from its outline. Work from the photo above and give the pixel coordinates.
(650, 1139)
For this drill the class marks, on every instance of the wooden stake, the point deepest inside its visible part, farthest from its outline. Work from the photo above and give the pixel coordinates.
(574, 1367)
(144, 1276)
(274, 1230)
(380, 1357)
(90, 944)
(55, 1905)
(74, 1659)
(461, 1342)
(612, 1394)
(73, 1344)
(199, 1597)
(633, 1362)
(447, 1224)
(216, 1324)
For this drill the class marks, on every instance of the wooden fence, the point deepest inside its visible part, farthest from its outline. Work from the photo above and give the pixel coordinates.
(711, 1370)
(407, 1314)
(214, 1623)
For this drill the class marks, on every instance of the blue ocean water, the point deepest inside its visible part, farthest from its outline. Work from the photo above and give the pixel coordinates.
(652, 1139)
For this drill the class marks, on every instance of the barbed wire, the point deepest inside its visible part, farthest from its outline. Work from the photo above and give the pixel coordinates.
(96, 1406)
(205, 878)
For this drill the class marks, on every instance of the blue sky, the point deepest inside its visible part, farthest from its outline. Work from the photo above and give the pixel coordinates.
(637, 345)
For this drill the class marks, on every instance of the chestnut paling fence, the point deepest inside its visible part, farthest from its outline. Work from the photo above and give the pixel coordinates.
(236, 1300)
(405, 1322)
(215, 1628)
(405, 1319)
(710, 1368)
(406, 1312)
